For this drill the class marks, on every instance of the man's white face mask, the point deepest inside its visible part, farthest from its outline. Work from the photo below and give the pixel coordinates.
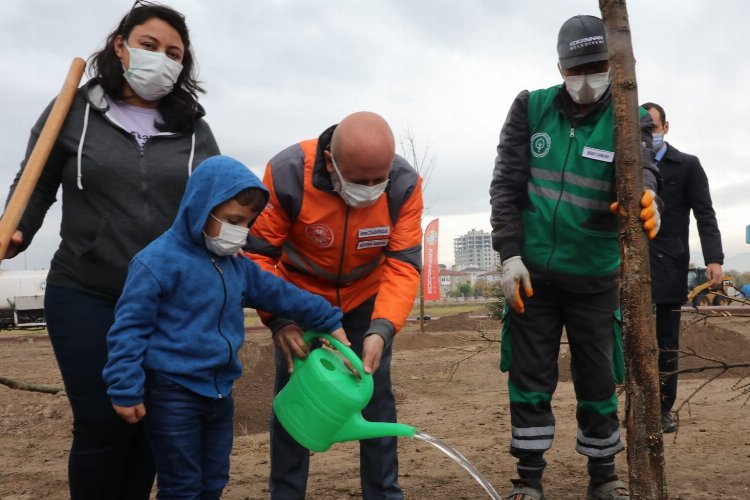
(586, 89)
(356, 195)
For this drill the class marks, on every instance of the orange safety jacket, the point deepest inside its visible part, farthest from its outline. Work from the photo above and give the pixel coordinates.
(310, 237)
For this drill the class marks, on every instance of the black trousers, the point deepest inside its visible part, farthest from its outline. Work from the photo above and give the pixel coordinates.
(668, 337)
(534, 337)
(109, 458)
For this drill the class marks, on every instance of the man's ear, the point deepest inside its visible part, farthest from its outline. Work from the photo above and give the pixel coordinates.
(327, 159)
(666, 127)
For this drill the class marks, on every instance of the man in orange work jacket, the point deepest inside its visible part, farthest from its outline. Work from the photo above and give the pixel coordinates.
(343, 221)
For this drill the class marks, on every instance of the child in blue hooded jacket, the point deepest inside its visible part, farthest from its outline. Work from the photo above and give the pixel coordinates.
(179, 324)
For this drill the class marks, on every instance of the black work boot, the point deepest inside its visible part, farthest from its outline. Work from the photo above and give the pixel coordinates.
(668, 424)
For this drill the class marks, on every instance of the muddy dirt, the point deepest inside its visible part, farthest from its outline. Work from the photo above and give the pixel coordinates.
(447, 384)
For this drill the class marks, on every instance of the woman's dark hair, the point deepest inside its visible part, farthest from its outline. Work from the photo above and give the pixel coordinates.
(179, 107)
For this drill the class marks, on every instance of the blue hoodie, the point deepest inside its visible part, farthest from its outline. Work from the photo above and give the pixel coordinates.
(180, 313)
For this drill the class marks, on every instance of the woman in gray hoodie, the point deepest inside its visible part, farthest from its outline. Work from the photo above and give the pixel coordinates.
(124, 154)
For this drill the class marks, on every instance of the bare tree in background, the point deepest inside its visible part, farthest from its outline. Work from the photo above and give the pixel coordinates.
(423, 162)
(421, 159)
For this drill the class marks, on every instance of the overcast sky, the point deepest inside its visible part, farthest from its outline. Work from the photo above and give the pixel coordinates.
(280, 71)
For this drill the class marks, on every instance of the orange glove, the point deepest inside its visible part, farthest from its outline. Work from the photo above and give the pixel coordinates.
(649, 213)
(515, 273)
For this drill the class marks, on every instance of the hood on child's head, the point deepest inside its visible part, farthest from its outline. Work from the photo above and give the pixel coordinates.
(214, 181)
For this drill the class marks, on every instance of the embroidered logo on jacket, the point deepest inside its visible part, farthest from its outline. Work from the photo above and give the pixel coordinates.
(540, 144)
(320, 234)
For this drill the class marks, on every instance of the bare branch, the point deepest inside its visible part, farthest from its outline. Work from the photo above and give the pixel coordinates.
(423, 161)
(23, 386)
(482, 335)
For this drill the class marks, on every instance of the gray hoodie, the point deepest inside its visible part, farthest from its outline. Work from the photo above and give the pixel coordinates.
(115, 199)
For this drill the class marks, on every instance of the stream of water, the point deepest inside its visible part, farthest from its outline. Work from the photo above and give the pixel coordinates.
(461, 460)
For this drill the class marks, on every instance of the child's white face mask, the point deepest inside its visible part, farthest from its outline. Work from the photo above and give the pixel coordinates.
(229, 241)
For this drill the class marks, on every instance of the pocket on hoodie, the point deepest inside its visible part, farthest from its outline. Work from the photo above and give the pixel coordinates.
(83, 245)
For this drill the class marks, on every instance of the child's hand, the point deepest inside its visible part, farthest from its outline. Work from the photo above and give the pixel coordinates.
(288, 341)
(131, 414)
(340, 335)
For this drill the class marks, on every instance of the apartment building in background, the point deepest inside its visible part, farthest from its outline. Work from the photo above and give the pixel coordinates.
(474, 250)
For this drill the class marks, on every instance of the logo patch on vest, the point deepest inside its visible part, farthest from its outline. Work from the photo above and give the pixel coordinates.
(540, 144)
(320, 234)
(372, 244)
(598, 154)
(369, 232)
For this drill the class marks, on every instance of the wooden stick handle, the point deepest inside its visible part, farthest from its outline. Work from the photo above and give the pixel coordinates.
(40, 153)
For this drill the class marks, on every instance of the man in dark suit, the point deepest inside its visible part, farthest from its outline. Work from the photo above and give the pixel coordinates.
(684, 188)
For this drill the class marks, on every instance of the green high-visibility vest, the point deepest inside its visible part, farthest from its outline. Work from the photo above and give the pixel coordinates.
(568, 227)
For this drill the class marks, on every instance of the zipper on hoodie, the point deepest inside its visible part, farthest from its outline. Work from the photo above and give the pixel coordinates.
(341, 258)
(559, 197)
(221, 313)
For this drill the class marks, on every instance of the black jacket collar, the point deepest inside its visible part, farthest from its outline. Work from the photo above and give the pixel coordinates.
(321, 178)
(565, 104)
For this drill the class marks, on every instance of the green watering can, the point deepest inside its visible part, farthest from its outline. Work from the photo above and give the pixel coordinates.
(323, 400)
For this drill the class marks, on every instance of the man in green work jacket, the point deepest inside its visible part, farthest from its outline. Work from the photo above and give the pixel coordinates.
(551, 192)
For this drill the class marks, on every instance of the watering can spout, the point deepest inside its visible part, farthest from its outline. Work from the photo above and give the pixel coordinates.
(356, 428)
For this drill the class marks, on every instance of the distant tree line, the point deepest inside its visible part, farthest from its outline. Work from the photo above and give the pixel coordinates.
(480, 289)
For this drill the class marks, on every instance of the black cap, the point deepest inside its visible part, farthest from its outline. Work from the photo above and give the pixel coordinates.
(581, 40)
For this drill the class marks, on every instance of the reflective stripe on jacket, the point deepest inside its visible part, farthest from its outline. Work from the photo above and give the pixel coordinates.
(309, 236)
(570, 188)
(509, 189)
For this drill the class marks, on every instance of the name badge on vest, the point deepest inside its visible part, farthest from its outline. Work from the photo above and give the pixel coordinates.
(598, 154)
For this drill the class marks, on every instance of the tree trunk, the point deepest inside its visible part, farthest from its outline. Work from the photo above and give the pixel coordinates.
(645, 451)
(421, 301)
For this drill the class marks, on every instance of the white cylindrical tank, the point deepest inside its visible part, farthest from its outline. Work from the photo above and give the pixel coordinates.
(20, 284)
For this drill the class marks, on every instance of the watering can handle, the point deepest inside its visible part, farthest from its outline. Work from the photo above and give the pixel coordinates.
(345, 351)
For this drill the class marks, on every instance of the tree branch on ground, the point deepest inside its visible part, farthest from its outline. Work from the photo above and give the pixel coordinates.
(484, 336)
(716, 364)
(23, 386)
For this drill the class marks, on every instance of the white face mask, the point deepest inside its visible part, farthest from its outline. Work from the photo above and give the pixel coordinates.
(586, 89)
(230, 239)
(151, 75)
(356, 195)
(658, 140)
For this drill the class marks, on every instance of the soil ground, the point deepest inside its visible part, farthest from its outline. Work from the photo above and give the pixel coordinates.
(447, 384)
